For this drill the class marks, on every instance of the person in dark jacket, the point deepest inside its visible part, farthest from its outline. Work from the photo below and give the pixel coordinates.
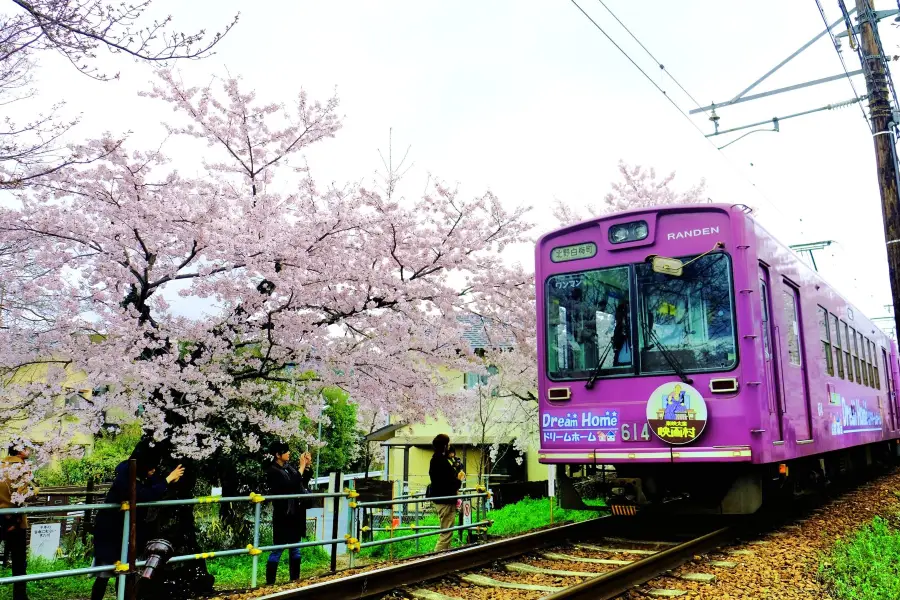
(446, 478)
(288, 515)
(108, 524)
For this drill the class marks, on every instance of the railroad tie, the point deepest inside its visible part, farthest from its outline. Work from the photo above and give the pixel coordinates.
(593, 548)
(523, 568)
(496, 583)
(659, 593)
(618, 540)
(701, 577)
(723, 564)
(429, 595)
(581, 559)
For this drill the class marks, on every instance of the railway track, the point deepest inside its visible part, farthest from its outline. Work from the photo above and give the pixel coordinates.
(596, 559)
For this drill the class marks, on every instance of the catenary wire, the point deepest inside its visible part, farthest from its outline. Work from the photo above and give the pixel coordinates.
(679, 109)
(650, 54)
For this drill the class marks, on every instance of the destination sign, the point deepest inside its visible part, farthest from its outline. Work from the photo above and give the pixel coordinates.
(576, 252)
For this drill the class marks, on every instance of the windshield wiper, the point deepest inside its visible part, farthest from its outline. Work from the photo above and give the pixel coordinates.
(670, 358)
(596, 372)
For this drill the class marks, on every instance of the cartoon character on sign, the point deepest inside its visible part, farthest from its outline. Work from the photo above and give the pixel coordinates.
(675, 405)
(676, 413)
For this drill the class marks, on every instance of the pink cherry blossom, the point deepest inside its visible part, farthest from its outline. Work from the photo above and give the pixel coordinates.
(348, 282)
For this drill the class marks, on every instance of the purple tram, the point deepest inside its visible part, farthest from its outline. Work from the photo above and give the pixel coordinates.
(701, 358)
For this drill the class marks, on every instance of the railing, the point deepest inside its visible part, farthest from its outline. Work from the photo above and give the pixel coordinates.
(128, 563)
(358, 518)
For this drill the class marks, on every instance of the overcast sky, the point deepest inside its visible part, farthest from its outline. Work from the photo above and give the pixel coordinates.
(528, 99)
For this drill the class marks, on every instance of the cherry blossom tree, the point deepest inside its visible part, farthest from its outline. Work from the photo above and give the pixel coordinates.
(500, 402)
(301, 287)
(502, 406)
(76, 30)
(639, 188)
(345, 282)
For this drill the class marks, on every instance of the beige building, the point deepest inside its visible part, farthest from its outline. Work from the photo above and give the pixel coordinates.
(61, 421)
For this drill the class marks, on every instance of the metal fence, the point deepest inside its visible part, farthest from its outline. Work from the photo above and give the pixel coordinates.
(367, 518)
(128, 563)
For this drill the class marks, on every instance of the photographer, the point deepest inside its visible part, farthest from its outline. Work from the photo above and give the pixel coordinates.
(446, 479)
(108, 525)
(289, 515)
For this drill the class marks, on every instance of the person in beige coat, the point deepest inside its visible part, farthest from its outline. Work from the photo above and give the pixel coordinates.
(13, 527)
(446, 478)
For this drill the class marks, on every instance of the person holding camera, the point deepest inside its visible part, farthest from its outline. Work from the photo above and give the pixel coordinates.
(150, 486)
(288, 515)
(446, 478)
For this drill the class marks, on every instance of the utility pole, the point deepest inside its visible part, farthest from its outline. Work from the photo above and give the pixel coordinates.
(882, 120)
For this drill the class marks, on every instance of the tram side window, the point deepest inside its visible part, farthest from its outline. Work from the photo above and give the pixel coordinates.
(862, 357)
(764, 295)
(854, 349)
(873, 351)
(847, 346)
(873, 363)
(838, 352)
(887, 374)
(866, 343)
(793, 330)
(825, 337)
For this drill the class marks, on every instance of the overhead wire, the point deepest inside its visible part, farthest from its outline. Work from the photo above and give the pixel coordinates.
(637, 66)
(650, 54)
(672, 102)
(834, 43)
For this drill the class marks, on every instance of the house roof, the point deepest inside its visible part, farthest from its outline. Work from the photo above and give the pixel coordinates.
(384, 433)
(481, 333)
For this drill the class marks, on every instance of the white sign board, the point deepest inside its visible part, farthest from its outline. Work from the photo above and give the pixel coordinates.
(551, 480)
(45, 540)
(467, 513)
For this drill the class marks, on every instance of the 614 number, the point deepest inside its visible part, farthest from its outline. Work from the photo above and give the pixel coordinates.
(630, 434)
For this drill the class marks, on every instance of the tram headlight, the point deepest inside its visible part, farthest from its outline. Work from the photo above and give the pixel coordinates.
(628, 232)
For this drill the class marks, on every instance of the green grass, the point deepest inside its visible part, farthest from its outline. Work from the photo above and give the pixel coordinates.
(63, 588)
(865, 566)
(532, 514)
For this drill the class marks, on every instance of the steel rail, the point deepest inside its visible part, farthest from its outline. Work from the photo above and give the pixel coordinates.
(379, 581)
(614, 583)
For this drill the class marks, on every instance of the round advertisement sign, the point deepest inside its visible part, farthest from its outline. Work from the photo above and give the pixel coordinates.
(676, 413)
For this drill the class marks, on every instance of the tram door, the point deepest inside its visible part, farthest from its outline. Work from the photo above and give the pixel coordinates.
(891, 398)
(773, 382)
(793, 363)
